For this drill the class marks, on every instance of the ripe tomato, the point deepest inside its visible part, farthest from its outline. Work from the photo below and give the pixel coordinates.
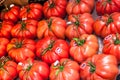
(8, 69)
(99, 67)
(80, 6)
(83, 47)
(31, 11)
(80, 24)
(65, 69)
(107, 24)
(3, 46)
(21, 49)
(50, 49)
(53, 26)
(25, 29)
(31, 69)
(56, 8)
(11, 14)
(5, 29)
(111, 45)
(107, 6)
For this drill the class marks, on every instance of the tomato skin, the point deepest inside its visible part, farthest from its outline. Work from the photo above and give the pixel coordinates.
(31, 69)
(8, 70)
(21, 49)
(25, 29)
(12, 14)
(111, 45)
(107, 6)
(55, 8)
(99, 67)
(3, 46)
(107, 24)
(31, 11)
(53, 26)
(50, 49)
(65, 69)
(80, 6)
(5, 29)
(80, 52)
(80, 24)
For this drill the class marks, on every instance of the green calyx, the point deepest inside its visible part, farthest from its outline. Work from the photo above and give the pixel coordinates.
(77, 23)
(23, 25)
(77, 1)
(117, 40)
(18, 44)
(108, 1)
(92, 67)
(109, 20)
(3, 60)
(79, 42)
(48, 48)
(29, 67)
(51, 4)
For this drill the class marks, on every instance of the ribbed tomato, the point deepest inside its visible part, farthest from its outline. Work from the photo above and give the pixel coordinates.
(21, 49)
(8, 69)
(83, 47)
(99, 67)
(111, 45)
(65, 69)
(31, 69)
(50, 49)
(79, 24)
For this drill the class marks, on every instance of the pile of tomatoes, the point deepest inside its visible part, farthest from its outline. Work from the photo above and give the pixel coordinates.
(59, 40)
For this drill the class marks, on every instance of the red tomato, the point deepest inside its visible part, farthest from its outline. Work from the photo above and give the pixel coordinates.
(8, 69)
(31, 11)
(33, 70)
(83, 47)
(56, 8)
(80, 24)
(65, 69)
(80, 6)
(53, 26)
(50, 49)
(107, 24)
(111, 45)
(107, 6)
(21, 49)
(25, 29)
(11, 14)
(99, 67)
(3, 46)
(5, 29)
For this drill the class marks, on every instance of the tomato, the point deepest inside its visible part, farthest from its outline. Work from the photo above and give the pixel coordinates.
(99, 67)
(53, 26)
(80, 24)
(8, 69)
(5, 29)
(31, 11)
(25, 29)
(107, 6)
(83, 47)
(111, 45)
(21, 49)
(11, 14)
(107, 24)
(65, 69)
(50, 49)
(80, 6)
(56, 8)
(3, 46)
(31, 69)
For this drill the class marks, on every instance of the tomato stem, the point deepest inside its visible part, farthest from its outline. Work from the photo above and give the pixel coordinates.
(3, 60)
(29, 67)
(109, 20)
(49, 22)
(23, 25)
(79, 42)
(108, 1)
(77, 1)
(77, 21)
(48, 48)
(18, 44)
(117, 41)
(92, 67)
(51, 4)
